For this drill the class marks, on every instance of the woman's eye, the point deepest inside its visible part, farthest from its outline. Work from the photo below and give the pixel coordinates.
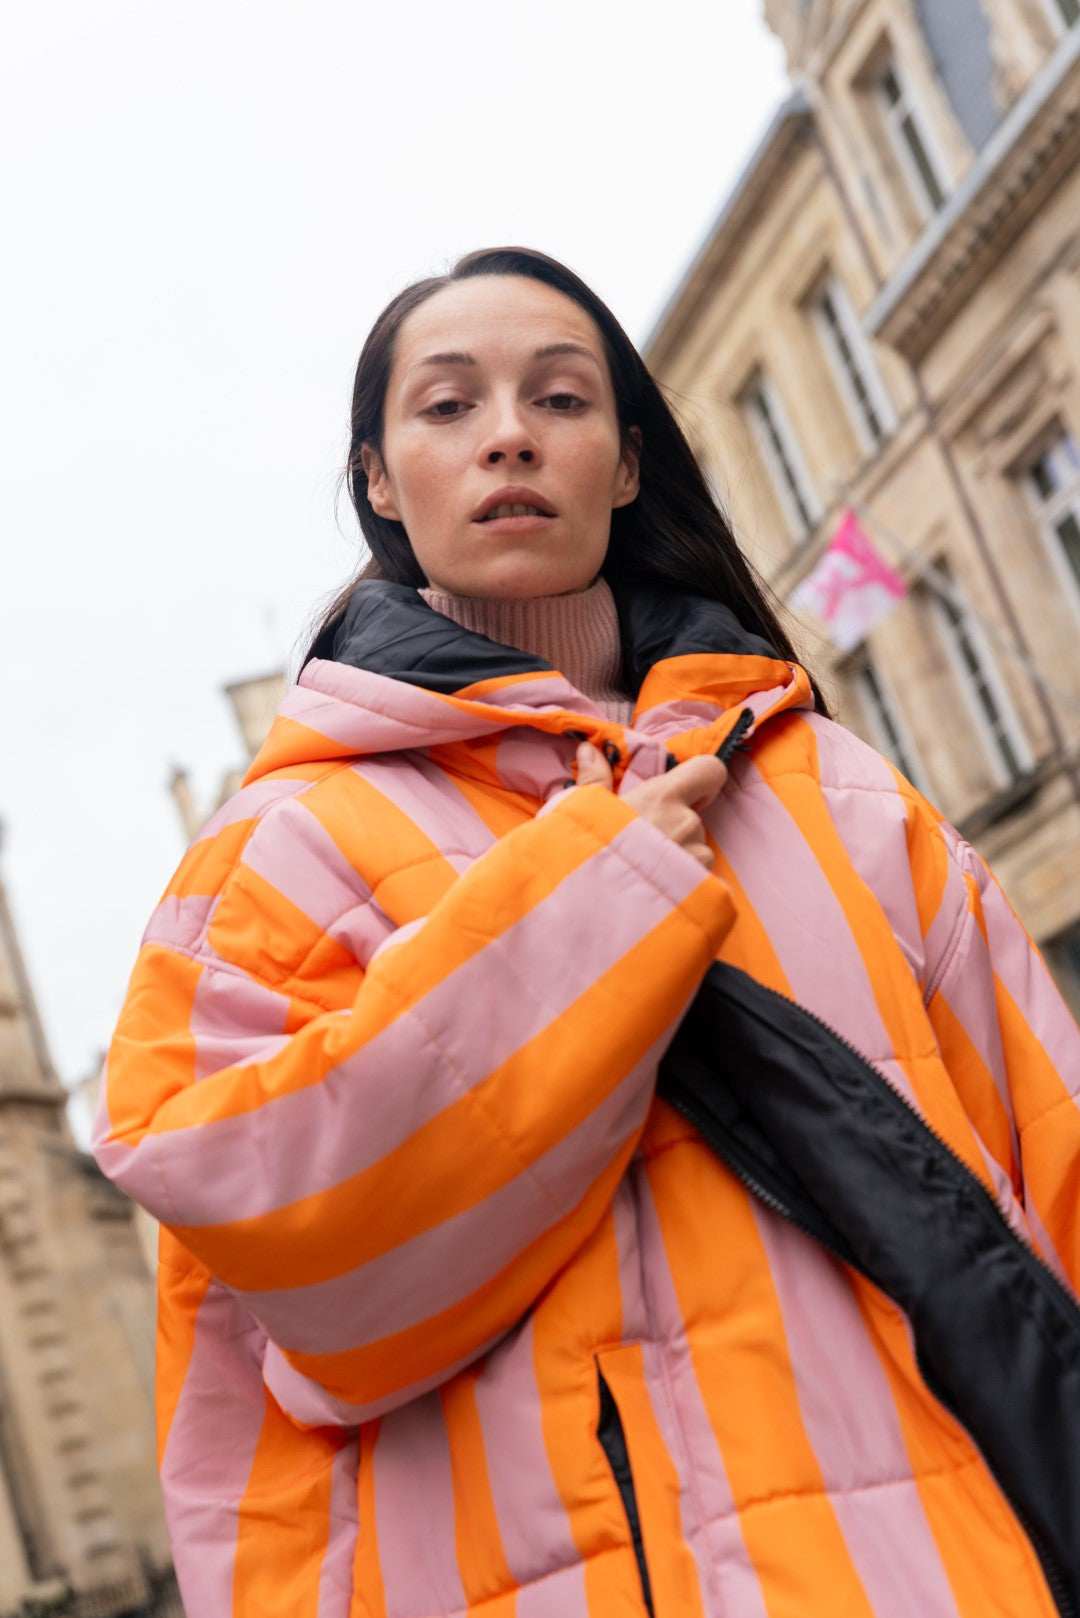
(444, 408)
(562, 401)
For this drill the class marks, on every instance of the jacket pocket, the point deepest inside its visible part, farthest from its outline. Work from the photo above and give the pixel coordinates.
(609, 1430)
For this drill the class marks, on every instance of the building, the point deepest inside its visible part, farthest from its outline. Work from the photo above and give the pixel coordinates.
(79, 1504)
(81, 1523)
(885, 316)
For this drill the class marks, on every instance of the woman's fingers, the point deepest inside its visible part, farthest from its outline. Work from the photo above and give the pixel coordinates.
(593, 768)
(674, 802)
(691, 786)
(697, 782)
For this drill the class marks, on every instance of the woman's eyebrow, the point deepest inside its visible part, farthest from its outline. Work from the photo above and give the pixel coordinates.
(444, 359)
(551, 349)
(548, 351)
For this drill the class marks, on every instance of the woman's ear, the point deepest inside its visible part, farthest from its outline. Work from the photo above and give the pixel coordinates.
(378, 484)
(628, 477)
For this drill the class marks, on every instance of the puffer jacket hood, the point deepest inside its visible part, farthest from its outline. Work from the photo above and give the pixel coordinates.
(405, 677)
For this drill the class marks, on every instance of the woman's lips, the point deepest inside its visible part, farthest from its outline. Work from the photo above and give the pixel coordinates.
(515, 508)
(519, 522)
(512, 500)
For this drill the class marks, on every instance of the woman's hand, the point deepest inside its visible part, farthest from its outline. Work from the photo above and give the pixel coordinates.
(672, 803)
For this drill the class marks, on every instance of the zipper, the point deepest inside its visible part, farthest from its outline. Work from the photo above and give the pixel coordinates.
(737, 1162)
(734, 737)
(1051, 1572)
(1036, 1265)
(732, 741)
(612, 1436)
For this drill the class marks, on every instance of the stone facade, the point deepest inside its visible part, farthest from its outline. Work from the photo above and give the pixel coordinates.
(80, 1506)
(79, 1503)
(886, 316)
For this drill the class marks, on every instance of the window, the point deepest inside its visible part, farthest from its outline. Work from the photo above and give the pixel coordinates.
(888, 730)
(849, 355)
(982, 685)
(1064, 12)
(1063, 958)
(1053, 487)
(787, 469)
(910, 139)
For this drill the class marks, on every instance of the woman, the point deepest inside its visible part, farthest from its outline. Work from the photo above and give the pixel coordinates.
(457, 1315)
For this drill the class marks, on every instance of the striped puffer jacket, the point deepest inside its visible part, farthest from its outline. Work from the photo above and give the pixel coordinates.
(458, 1314)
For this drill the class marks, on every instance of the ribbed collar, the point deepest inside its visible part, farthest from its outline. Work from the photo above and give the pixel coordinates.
(577, 634)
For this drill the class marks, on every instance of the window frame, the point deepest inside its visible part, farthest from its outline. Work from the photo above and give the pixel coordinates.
(1062, 955)
(892, 115)
(1057, 11)
(1049, 510)
(782, 455)
(888, 726)
(955, 617)
(860, 364)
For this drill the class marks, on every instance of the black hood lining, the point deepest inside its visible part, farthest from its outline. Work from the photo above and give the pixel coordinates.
(389, 629)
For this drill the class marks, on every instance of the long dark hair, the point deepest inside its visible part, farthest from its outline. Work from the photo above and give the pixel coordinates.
(672, 535)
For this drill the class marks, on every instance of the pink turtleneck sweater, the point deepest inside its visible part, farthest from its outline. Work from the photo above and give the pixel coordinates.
(577, 634)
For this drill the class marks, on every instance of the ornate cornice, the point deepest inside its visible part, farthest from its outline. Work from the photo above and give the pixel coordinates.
(1036, 146)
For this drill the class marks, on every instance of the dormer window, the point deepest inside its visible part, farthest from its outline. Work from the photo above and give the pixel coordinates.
(908, 133)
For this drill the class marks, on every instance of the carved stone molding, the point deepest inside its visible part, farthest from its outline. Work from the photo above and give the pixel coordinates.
(1016, 176)
(65, 1501)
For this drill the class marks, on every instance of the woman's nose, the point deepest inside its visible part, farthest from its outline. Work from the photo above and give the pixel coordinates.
(509, 439)
(495, 455)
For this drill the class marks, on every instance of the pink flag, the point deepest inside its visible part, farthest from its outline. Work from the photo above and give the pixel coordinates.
(852, 588)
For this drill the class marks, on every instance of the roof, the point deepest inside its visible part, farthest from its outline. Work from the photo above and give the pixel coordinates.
(958, 34)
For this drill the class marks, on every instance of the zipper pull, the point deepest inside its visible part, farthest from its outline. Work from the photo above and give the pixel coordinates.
(734, 737)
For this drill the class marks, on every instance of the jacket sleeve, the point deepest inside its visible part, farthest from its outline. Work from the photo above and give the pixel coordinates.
(389, 1185)
(1011, 1045)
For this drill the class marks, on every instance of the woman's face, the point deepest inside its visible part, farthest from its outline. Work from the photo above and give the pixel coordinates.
(501, 453)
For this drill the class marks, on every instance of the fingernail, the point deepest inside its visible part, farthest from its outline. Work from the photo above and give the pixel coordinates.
(587, 753)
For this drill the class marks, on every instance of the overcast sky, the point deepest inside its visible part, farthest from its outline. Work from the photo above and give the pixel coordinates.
(204, 208)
